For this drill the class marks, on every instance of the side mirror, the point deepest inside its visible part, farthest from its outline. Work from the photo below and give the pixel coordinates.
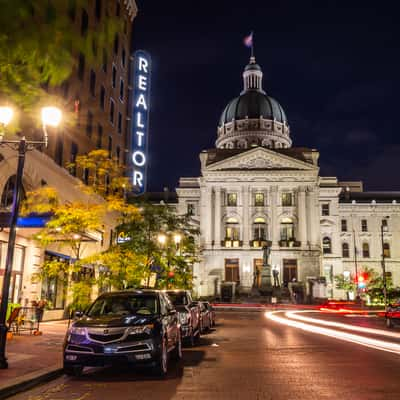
(78, 314)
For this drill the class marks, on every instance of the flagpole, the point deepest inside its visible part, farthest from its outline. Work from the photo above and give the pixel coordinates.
(252, 44)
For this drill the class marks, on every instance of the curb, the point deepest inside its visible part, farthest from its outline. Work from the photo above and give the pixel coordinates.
(28, 381)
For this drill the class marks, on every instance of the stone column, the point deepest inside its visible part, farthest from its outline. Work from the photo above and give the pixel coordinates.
(313, 227)
(274, 215)
(245, 214)
(206, 215)
(301, 212)
(217, 217)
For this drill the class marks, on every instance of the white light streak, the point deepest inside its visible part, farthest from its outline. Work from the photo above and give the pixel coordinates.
(293, 315)
(347, 337)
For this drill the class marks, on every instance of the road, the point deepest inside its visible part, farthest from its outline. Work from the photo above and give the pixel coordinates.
(247, 357)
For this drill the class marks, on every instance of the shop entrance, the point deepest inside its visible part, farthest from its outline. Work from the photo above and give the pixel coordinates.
(257, 264)
(289, 271)
(232, 270)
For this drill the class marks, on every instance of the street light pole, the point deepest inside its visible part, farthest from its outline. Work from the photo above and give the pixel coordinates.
(10, 253)
(384, 270)
(50, 116)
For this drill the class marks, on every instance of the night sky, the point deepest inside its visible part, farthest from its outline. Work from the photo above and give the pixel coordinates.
(334, 66)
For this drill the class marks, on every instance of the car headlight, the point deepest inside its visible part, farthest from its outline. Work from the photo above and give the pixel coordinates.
(78, 331)
(137, 330)
(184, 318)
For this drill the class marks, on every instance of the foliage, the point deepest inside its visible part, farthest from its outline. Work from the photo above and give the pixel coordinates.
(38, 48)
(81, 292)
(345, 283)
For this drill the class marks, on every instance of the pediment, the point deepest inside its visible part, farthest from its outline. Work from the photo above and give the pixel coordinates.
(260, 159)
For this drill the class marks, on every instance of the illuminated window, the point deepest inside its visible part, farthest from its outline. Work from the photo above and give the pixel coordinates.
(232, 199)
(364, 225)
(232, 231)
(365, 250)
(259, 200)
(325, 209)
(344, 225)
(259, 229)
(345, 250)
(326, 245)
(386, 250)
(287, 199)
(287, 229)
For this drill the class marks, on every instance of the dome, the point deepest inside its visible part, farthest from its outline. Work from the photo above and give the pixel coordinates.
(253, 104)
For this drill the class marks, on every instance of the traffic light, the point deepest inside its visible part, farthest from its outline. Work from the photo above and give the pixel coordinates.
(361, 280)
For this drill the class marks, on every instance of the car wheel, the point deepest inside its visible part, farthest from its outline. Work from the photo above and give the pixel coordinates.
(161, 367)
(73, 370)
(389, 323)
(177, 352)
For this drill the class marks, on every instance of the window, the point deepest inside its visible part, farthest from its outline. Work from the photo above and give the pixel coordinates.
(8, 192)
(123, 58)
(386, 250)
(58, 156)
(81, 66)
(121, 90)
(99, 136)
(118, 154)
(259, 229)
(112, 111)
(105, 60)
(190, 209)
(365, 250)
(345, 250)
(102, 97)
(326, 245)
(232, 229)
(114, 76)
(98, 9)
(232, 200)
(259, 200)
(325, 209)
(364, 225)
(72, 159)
(119, 124)
(109, 147)
(84, 22)
(116, 44)
(287, 200)
(344, 225)
(89, 124)
(232, 270)
(287, 229)
(92, 83)
(385, 227)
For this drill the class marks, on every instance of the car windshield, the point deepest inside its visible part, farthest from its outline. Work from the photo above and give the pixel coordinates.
(120, 305)
(178, 299)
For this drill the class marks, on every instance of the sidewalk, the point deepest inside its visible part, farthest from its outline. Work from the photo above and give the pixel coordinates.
(33, 359)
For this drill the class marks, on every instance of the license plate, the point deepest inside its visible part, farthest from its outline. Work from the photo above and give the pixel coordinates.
(142, 356)
(71, 357)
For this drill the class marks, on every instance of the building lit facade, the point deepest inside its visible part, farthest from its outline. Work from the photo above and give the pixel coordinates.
(256, 188)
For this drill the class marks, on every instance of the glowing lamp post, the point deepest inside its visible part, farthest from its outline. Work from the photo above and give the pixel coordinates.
(51, 116)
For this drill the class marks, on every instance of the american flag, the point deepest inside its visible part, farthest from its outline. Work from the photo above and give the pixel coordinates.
(248, 40)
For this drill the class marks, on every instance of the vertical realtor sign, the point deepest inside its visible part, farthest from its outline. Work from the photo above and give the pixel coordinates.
(140, 118)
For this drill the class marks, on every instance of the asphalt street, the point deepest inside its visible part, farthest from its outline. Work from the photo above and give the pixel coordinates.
(247, 357)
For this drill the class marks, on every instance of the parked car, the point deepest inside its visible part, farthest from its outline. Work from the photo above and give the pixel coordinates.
(135, 326)
(205, 321)
(211, 313)
(188, 313)
(393, 315)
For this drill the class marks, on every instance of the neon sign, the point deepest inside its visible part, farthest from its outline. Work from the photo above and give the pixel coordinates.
(140, 119)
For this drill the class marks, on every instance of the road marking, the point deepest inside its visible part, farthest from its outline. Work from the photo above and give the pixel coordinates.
(293, 315)
(347, 337)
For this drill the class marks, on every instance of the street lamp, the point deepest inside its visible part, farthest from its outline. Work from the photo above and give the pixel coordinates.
(383, 228)
(51, 116)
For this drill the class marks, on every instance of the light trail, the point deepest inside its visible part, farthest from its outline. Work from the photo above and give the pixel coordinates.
(347, 337)
(292, 315)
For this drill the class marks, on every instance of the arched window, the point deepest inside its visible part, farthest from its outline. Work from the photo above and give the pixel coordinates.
(287, 229)
(326, 245)
(345, 250)
(365, 250)
(386, 250)
(259, 229)
(232, 231)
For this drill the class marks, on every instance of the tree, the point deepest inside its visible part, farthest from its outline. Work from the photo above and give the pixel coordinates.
(39, 46)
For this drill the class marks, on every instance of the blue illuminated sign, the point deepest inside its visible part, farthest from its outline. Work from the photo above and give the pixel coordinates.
(140, 118)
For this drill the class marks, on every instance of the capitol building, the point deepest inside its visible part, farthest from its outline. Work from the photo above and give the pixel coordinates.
(256, 188)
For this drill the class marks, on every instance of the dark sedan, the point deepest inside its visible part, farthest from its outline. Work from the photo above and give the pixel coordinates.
(138, 327)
